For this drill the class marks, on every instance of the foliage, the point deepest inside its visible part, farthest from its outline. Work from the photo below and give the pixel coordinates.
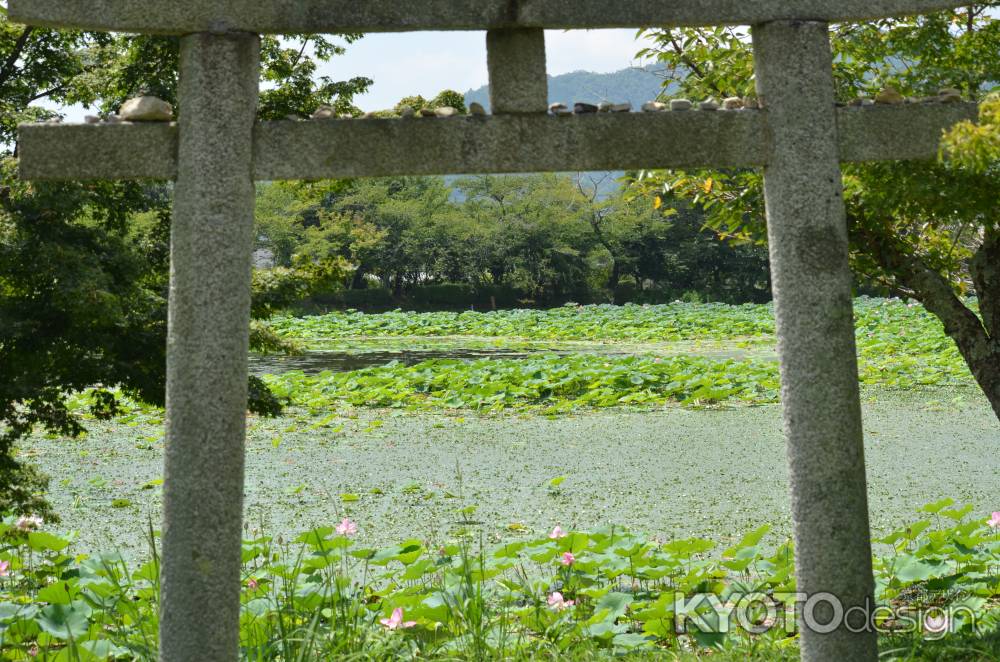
(976, 146)
(35, 65)
(81, 304)
(276, 289)
(672, 250)
(881, 320)
(650, 356)
(449, 98)
(444, 98)
(550, 238)
(290, 85)
(629, 323)
(917, 55)
(924, 229)
(899, 346)
(555, 383)
(84, 266)
(601, 593)
(129, 65)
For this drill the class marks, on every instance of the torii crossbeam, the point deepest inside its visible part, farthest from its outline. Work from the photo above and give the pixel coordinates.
(218, 150)
(498, 144)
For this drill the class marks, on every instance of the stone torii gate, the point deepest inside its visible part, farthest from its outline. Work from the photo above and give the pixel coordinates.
(218, 149)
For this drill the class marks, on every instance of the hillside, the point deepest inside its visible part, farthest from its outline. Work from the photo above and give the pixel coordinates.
(637, 85)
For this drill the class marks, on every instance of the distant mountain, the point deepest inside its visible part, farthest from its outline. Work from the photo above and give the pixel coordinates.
(637, 85)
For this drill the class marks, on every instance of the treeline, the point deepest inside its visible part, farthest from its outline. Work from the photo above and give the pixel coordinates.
(503, 241)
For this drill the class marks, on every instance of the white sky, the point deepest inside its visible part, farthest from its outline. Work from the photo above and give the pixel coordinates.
(427, 62)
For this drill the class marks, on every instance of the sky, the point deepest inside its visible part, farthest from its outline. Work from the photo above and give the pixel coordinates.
(424, 63)
(427, 62)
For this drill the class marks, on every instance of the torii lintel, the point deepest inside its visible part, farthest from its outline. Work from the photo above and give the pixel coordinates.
(496, 144)
(346, 16)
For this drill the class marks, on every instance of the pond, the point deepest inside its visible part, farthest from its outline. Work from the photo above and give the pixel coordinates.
(356, 355)
(316, 361)
(636, 468)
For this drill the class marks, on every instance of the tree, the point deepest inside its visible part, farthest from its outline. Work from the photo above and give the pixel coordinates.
(977, 146)
(81, 304)
(35, 65)
(388, 216)
(540, 239)
(445, 98)
(927, 230)
(598, 214)
(83, 266)
(286, 212)
(450, 98)
(670, 247)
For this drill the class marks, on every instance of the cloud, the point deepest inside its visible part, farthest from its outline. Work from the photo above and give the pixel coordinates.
(404, 64)
(601, 51)
(427, 62)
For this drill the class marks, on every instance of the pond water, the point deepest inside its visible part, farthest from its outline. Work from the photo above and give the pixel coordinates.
(357, 357)
(920, 446)
(312, 362)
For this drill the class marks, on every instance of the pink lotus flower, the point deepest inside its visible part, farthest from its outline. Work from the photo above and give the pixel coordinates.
(557, 533)
(252, 584)
(557, 603)
(396, 621)
(995, 520)
(4, 568)
(347, 527)
(936, 624)
(28, 523)
(568, 559)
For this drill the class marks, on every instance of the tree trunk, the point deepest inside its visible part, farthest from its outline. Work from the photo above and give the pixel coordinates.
(358, 281)
(985, 268)
(615, 276)
(978, 340)
(497, 274)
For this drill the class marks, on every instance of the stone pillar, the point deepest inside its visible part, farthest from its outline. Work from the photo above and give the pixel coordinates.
(518, 78)
(210, 267)
(807, 232)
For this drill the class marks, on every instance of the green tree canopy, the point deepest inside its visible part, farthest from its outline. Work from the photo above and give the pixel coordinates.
(928, 230)
(83, 266)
